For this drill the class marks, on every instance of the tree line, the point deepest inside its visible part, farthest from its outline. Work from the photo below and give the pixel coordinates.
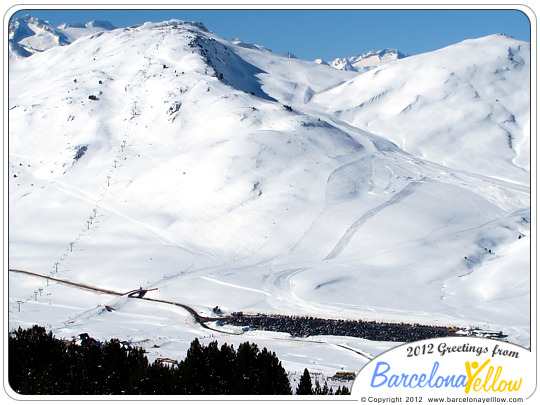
(40, 364)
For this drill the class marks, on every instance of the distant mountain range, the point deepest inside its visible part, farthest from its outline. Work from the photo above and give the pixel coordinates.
(28, 35)
(365, 62)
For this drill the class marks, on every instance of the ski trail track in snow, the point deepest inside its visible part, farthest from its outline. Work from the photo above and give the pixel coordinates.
(213, 280)
(351, 231)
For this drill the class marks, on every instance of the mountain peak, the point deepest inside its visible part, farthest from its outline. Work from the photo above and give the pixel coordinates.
(367, 61)
(100, 24)
(237, 41)
(174, 23)
(34, 35)
(28, 34)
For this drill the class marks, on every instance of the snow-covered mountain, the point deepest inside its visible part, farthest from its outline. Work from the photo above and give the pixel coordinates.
(163, 156)
(28, 34)
(448, 101)
(367, 61)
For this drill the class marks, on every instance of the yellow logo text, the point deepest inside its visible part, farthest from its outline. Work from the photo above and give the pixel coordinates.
(488, 381)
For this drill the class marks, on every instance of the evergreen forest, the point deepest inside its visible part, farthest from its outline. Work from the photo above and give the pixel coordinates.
(40, 364)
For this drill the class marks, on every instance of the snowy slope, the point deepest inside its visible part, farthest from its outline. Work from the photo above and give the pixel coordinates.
(448, 99)
(165, 157)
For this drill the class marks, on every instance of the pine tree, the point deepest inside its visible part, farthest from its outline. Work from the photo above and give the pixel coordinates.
(272, 378)
(226, 363)
(215, 379)
(192, 371)
(114, 366)
(247, 379)
(325, 389)
(304, 387)
(137, 365)
(85, 369)
(343, 391)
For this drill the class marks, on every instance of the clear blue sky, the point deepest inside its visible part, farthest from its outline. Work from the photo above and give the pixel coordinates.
(326, 34)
